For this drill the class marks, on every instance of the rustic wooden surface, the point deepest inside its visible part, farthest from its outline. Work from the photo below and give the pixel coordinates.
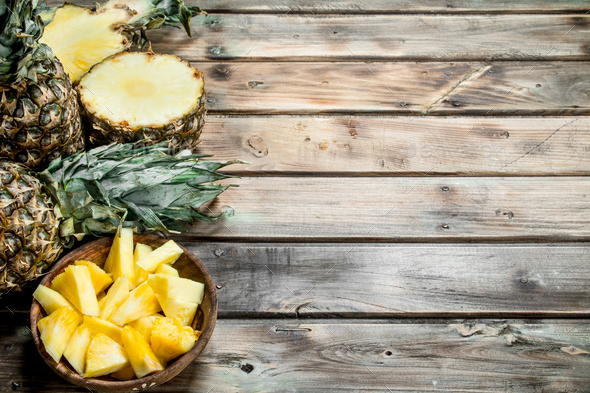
(414, 214)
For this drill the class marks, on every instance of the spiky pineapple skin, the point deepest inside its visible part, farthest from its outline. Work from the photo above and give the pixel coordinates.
(40, 121)
(29, 234)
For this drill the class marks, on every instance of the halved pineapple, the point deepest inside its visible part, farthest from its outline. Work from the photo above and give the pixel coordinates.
(119, 262)
(144, 326)
(97, 325)
(116, 296)
(76, 350)
(177, 288)
(104, 356)
(135, 96)
(75, 284)
(170, 339)
(183, 311)
(166, 269)
(50, 300)
(124, 374)
(57, 329)
(140, 276)
(100, 279)
(142, 357)
(140, 303)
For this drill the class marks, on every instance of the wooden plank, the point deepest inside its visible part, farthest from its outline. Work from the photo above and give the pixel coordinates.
(276, 355)
(309, 37)
(504, 88)
(403, 209)
(400, 146)
(384, 281)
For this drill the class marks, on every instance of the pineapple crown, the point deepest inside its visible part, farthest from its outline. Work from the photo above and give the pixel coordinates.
(126, 185)
(22, 57)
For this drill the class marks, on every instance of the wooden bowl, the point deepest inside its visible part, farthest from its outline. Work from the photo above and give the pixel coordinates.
(96, 251)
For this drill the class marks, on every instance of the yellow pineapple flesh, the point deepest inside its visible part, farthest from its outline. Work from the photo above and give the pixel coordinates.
(181, 310)
(124, 374)
(166, 254)
(140, 303)
(118, 293)
(119, 262)
(97, 325)
(170, 339)
(140, 276)
(177, 288)
(76, 350)
(50, 300)
(100, 280)
(141, 356)
(166, 269)
(104, 356)
(57, 330)
(75, 284)
(144, 326)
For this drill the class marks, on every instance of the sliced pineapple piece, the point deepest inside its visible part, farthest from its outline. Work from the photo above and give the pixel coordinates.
(167, 269)
(100, 280)
(183, 311)
(41, 324)
(104, 356)
(177, 288)
(140, 303)
(50, 300)
(142, 357)
(119, 262)
(140, 276)
(75, 284)
(124, 374)
(144, 325)
(170, 339)
(97, 325)
(100, 296)
(116, 296)
(166, 254)
(57, 329)
(76, 350)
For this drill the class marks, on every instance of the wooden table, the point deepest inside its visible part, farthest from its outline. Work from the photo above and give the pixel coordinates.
(416, 209)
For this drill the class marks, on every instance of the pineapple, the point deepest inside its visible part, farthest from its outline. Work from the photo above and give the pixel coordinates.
(124, 374)
(136, 96)
(170, 339)
(39, 116)
(76, 349)
(167, 269)
(120, 259)
(75, 284)
(57, 329)
(142, 357)
(100, 280)
(42, 212)
(140, 276)
(144, 325)
(140, 303)
(104, 356)
(50, 300)
(116, 296)
(181, 310)
(97, 325)
(177, 288)
(166, 254)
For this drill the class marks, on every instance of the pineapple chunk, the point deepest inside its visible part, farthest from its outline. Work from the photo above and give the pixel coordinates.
(120, 259)
(142, 358)
(104, 356)
(57, 330)
(140, 276)
(167, 269)
(75, 284)
(166, 254)
(97, 325)
(183, 311)
(124, 374)
(116, 296)
(100, 296)
(76, 350)
(100, 280)
(177, 288)
(144, 325)
(42, 323)
(140, 303)
(50, 300)
(170, 339)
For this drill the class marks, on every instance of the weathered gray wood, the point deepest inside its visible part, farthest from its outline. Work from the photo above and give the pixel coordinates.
(400, 146)
(283, 355)
(403, 209)
(379, 37)
(504, 88)
(328, 280)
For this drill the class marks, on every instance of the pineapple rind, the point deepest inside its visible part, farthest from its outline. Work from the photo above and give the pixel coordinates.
(104, 356)
(141, 356)
(168, 253)
(76, 349)
(50, 300)
(57, 330)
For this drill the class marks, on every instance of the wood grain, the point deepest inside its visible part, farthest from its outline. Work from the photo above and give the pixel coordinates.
(308, 37)
(399, 146)
(504, 88)
(283, 355)
(403, 209)
(383, 281)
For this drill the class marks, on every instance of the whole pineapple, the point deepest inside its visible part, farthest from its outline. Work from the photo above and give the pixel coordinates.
(39, 113)
(96, 192)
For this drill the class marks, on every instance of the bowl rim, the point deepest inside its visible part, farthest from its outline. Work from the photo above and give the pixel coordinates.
(141, 383)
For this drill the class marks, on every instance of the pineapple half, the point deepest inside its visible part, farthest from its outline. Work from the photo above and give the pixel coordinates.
(136, 96)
